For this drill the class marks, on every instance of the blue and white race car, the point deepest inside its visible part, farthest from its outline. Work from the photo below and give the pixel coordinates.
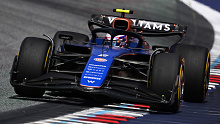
(116, 62)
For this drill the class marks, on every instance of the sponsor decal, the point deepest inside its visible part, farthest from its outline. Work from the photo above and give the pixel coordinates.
(103, 55)
(95, 78)
(100, 60)
(90, 81)
(65, 37)
(97, 65)
(147, 24)
(153, 25)
(111, 19)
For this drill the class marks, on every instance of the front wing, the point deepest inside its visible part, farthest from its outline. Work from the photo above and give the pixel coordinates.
(123, 90)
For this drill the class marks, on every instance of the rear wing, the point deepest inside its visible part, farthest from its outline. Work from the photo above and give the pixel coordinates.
(143, 27)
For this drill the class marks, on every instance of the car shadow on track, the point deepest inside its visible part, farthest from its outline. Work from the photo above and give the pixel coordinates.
(68, 98)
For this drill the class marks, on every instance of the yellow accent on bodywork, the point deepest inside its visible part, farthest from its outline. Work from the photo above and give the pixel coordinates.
(45, 64)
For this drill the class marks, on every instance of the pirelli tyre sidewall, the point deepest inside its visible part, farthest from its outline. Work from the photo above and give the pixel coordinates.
(32, 62)
(167, 77)
(197, 70)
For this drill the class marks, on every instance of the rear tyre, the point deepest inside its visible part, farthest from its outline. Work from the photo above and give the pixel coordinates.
(32, 62)
(76, 38)
(197, 69)
(167, 78)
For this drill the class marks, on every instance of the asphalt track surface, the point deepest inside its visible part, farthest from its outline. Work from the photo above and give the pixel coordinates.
(23, 18)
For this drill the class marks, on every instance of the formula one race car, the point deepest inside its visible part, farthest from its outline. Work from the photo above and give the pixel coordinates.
(116, 62)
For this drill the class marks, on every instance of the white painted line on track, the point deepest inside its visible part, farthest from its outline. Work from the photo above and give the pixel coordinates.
(126, 107)
(74, 119)
(212, 86)
(216, 74)
(216, 84)
(215, 70)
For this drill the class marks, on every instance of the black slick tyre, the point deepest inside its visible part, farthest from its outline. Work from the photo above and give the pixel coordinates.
(166, 80)
(32, 62)
(197, 69)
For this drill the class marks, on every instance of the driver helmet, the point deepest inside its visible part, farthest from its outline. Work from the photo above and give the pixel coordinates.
(118, 40)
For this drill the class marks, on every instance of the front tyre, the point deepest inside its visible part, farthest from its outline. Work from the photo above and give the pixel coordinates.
(32, 62)
(167, 77)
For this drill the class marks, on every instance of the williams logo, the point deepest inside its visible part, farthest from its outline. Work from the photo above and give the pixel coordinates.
(90, 81)
(100, 60)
